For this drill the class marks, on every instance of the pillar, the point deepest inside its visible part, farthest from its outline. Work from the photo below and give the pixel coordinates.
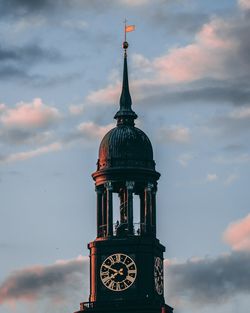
(148, 208)
(154, 211)
(123, 206)
(130, 187)
(109, 203)
(104, 214)
(99, 194)
(142, 212)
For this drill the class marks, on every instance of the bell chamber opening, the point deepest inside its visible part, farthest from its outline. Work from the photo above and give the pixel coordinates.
(117, 218)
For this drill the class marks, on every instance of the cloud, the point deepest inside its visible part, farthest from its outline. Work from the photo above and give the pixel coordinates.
(234, 124)
(208, 281)
(28, 54)
(15, 62)
(76, 109)
(55, 282)
(238, 159)
(211, 177)
(195, 282)
(241, 113)
(244, 4)
(21, 156)
(231, 179)
(184, 159)
(30, 7)
(30, 115)
(2, 107)
(91, 130)
(237, 234)
(110, 94)
(206, 57)
(87, 132)
(24, 136)
(169, 21)
(213, 67)
(134, 2)
(175, 133)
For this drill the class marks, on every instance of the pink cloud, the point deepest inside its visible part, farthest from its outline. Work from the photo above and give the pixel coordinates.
(205, 57)
(2, 107)
(175, 133)
(21, 156)
(109, 94)
(244, 4)
(92, 130)
(134, 2)
(237, 235)
(52, 282)
(30, 115)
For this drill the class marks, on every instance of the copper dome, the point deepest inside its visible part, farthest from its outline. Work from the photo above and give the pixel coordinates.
(125, 146)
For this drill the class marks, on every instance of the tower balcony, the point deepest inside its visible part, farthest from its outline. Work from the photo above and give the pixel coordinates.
(121, 230)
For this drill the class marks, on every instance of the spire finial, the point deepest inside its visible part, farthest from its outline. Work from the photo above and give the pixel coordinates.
(125, 115)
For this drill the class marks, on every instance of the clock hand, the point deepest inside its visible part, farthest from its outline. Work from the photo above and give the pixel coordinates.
(120, 272)
(110, 268)
(114, 275)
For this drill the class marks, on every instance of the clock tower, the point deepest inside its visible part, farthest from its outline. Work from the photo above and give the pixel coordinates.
(126, 258)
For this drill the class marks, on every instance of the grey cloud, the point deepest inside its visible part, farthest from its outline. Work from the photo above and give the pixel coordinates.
(18, 136)
(170, 22)
(10, 72)
(56, 281)
(28, 54)
(22, 7)
(204, 91)
(16, 62)
(235, 147)
(234, 127)
(206, 281)
(26, 7)
(209, 281)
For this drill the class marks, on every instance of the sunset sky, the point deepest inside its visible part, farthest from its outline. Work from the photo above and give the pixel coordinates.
(60, 71)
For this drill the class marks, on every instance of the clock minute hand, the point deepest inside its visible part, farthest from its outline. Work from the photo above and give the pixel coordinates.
(110, 268)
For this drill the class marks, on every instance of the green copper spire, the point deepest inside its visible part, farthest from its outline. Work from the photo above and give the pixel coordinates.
(125, 115)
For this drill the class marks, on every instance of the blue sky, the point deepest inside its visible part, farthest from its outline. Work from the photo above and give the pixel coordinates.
(60, 71)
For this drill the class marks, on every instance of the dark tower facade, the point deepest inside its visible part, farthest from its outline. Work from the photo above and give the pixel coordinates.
(126, 258)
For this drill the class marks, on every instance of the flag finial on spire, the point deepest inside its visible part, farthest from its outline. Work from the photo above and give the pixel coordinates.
(125, 115)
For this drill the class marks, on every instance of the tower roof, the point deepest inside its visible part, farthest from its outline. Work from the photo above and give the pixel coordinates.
(125, 115)
(125, 147)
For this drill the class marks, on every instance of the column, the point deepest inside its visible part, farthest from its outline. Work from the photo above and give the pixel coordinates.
(109, 189)
(142, 212)
(148, 208)
(154, 211)
(130, 187)
(104, 214)
(123, 205)
(98, 210)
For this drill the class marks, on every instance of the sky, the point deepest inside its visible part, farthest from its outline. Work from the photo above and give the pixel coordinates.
(60, 70)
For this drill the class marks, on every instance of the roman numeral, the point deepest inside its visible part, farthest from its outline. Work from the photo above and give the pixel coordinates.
(106, 279)
(118, 288)
(129, 278)
(111, 285)
(111, 260)
(118, 258)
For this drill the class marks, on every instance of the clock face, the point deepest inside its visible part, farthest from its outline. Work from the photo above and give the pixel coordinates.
(118, 272)
(158, 276)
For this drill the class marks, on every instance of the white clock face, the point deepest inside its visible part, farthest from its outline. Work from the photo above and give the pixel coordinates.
(118, 272)
(158, 275)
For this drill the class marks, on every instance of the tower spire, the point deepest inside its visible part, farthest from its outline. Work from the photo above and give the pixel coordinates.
(125, 115)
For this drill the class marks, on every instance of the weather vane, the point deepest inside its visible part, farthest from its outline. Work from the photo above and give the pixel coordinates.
(127, 29)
